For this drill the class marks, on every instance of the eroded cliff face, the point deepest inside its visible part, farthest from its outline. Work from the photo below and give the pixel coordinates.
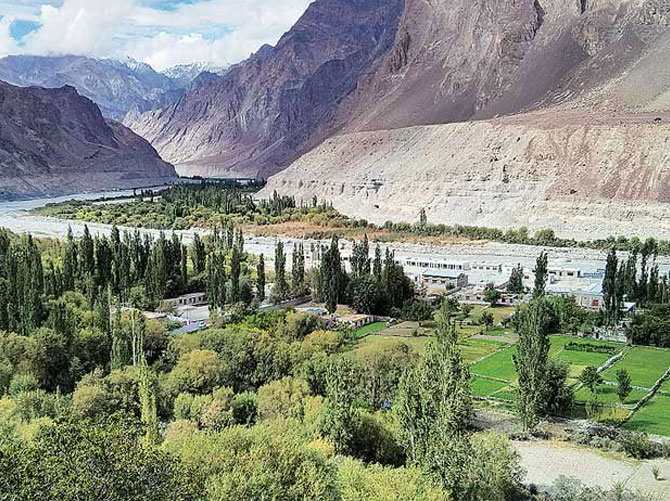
(581, 176)
(54, 141)
(265, 111)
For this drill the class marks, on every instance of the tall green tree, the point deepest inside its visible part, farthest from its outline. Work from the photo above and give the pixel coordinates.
(340, 416)
(434, 408)
(332, 278)
(541, 273)
(260, 278)
(235, 272)
(377, 264)
(515, 284)
(298, 271)
(531, 361)
(624, 384)
(198, 255)
(612, 291)
(281, 290)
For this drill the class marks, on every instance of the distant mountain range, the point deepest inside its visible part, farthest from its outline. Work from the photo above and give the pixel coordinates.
(54, 141)
(185, 74)
(117, 87)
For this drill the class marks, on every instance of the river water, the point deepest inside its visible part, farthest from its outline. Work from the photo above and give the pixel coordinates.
(16, 217)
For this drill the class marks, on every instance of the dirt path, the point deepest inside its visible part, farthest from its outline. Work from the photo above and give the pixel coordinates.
(545, 461)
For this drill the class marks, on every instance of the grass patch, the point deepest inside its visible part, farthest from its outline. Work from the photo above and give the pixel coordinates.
(369, 329)
(652, 417)
(474, 349)
(579, 360)
(645, 366)
(607, 394)
(485, 387)
(374, 342)
(498, 366)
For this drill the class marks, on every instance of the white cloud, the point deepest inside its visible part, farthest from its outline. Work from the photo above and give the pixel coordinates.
(79, 27)
(217, 31)
(7, 43)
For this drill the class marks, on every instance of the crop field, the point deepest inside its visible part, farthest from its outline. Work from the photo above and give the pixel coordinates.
(486, 387)
(607, 394)
(474, 349)
(369, 329)
(375, 342)
(579, 360)
(495, 378)
(652, 417)
(645, 366)
(499, 366)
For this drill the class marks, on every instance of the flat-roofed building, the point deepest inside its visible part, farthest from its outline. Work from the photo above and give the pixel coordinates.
(447, 279)
(195, 299)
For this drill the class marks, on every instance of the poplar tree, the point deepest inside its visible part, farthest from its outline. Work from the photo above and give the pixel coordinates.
(281, 286)
(612, 293)
(260, 278)
(515, 284)
(235, 271)
(434, 409)
(198, 255)
(332, 278)
(148, 403)
(531, 361)
(70, 265)
(541, 274)
(377, 265)
(298, 270)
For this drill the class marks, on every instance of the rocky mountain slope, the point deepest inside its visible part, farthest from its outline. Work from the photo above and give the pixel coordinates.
(115, 86)
(264, 112)
(54, 141)
(583, 147)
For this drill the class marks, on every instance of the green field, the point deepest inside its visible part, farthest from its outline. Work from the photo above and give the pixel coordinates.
(498, 366)
(653, 417)
(579, 360)
(607, 394)
(485, 387)
(369, 329)
(374, 342)
(645, 366)
(474, 349)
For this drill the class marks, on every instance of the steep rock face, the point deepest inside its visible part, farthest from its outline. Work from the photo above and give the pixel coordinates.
(581, 176)
(457, 60)
(54, 141)
(585, 88)
(116, 87)
(265, 111)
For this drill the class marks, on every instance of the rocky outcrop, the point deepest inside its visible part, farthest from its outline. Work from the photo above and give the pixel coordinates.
(54, 141)
(264, 112)
(116, 87)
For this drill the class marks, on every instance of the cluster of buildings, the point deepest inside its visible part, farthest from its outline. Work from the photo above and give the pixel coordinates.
(468, 280)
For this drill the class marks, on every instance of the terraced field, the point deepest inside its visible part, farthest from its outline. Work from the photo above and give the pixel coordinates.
(645, 366)
(653, 417)
(494, 373)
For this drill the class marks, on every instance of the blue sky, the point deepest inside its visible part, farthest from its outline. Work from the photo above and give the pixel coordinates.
(159, 32)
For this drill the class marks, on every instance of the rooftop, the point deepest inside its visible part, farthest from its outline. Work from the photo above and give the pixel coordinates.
(442, 273)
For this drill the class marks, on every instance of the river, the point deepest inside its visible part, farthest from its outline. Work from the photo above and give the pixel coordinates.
(16, 217)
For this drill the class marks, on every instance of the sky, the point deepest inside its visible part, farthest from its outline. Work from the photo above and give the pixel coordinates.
(162, 33)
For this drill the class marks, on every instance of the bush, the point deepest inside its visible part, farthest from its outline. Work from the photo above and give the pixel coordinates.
(591, 348)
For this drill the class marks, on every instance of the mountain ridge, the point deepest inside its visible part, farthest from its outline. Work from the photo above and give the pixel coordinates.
(55, 141)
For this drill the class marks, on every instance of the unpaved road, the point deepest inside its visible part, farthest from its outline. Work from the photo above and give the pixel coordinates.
(545, 461)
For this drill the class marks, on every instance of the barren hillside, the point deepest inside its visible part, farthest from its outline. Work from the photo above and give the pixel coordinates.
(585, 177)
(54, 141)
